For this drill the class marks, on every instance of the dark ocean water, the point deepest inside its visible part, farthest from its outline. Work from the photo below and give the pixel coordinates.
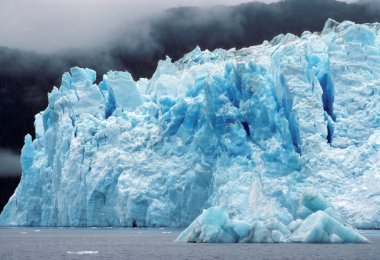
(118, 243)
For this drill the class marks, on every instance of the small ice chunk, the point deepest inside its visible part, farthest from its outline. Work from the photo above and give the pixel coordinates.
(320, 227)
(213, 226)
(82, 252)
(294, 224)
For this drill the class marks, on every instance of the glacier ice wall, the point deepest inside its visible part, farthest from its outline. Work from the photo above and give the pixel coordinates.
(245, 130)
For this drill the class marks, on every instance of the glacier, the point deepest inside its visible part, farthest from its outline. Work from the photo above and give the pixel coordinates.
(245, 134)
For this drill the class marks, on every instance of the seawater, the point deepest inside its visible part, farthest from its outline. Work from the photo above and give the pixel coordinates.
(122, 243)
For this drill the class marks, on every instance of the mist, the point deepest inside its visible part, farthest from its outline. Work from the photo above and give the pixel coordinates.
(9, 163)
(51, 25)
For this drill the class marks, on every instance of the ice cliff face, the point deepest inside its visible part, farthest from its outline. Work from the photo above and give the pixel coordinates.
(245, 130)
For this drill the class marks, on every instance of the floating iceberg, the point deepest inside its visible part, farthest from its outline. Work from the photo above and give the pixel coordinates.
(242, 132)
(82, 252)
(318, 223)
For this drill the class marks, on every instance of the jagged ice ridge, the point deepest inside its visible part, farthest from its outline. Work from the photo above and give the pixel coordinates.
(247, 133)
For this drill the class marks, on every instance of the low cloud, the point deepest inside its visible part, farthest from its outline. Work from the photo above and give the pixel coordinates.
(9, 163)
(50, 25)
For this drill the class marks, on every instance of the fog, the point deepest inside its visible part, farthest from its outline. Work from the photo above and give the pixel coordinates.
(49, 25)
(9, 163)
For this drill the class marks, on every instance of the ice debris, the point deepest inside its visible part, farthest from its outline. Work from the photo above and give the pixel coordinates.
(82, 252)
(318, 222)
(242, 132)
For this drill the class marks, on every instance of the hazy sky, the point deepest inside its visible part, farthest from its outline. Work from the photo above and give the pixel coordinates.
(9, 163)
(47, 25)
